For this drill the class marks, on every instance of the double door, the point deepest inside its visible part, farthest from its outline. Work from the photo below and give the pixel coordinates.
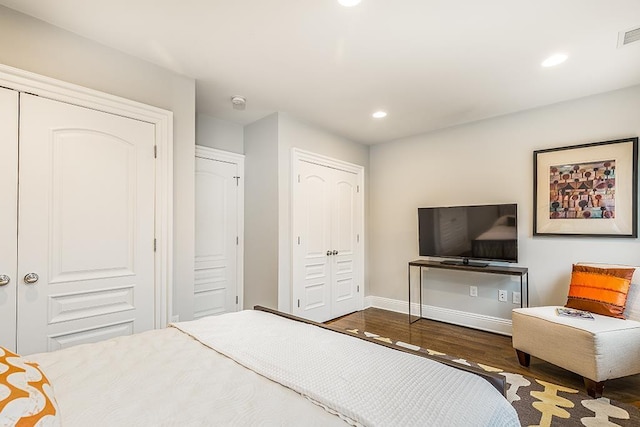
(327, 247)
(76, 224)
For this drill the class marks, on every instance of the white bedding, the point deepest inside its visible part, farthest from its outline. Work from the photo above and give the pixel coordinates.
(165, 377)
(368, 383)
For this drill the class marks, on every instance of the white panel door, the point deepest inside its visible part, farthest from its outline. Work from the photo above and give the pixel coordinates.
(344, 259)
(86, 220)
(8, 216)
(215, 289)
(312, 256)
(327, 267)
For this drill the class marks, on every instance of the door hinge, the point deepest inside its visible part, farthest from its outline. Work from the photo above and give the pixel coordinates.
(358, 238)
(358, 288)
(298, 239)
(357, 188)
(237, 178)
(155, 245)
(298, 303)
(298, 178)
(155, 151)
(237, 240)
(236, 299)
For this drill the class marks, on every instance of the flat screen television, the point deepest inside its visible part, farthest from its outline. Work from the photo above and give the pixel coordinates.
(467, 233)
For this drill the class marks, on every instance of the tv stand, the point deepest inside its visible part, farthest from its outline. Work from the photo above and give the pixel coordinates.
(465, 262)
(522, 272)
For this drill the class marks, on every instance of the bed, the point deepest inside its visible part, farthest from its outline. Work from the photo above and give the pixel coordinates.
(498, 242)
(256, 367)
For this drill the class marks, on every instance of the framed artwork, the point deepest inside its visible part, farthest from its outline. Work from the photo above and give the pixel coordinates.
(587, 190)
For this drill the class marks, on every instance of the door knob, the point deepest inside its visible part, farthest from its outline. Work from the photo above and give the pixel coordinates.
(31, 278)
(335, 253)
(4, 279)
(329, 253)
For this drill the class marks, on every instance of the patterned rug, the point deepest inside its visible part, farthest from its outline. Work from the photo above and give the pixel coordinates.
(540, 403)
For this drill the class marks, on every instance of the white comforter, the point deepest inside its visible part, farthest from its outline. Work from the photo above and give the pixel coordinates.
(165, 377)
(364, 382)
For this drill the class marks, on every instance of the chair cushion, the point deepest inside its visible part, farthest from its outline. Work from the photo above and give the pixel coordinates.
(598, 349)
(600, 290)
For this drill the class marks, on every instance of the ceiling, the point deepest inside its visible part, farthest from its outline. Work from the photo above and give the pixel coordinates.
(430, 64)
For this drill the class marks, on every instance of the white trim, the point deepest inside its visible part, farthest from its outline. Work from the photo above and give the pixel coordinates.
(298, 155)
(482, 322)
(238, 160)
(25, 81)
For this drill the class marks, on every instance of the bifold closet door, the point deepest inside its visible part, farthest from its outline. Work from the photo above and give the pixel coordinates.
(325, 271)
(86, 225)
(8, 216)
(215, 288)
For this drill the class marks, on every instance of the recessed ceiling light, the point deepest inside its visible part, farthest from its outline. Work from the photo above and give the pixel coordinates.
(349, 3)
(554, 60)
(379, 114)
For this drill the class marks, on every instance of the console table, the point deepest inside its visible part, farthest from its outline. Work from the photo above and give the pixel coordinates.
(522, 272)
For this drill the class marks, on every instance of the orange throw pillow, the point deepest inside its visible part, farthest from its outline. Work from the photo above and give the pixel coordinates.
(600, 290)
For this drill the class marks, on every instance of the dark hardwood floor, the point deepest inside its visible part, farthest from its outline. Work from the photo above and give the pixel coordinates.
(478, 346)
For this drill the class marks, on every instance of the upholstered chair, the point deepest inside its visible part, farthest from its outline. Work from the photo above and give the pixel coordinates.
(598, 349)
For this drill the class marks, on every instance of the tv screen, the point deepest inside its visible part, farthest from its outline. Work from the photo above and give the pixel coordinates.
(482, 232)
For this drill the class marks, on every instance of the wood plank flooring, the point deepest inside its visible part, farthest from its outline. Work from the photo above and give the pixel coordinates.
(478, 346)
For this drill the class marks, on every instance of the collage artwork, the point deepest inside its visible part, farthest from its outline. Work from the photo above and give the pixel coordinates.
(582, 191)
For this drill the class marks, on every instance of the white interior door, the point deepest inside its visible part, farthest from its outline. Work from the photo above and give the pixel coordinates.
(312, 249)
(344, 236)
(215, 289)
(8, 216)
(86, 221)
(327, 254)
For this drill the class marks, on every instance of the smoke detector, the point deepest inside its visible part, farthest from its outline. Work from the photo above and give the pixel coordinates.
(238, 102)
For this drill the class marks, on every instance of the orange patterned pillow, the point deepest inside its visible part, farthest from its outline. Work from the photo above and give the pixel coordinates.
(26, 397)
(600, 290)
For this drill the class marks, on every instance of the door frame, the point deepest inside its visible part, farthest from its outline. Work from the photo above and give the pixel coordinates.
(238, 160)
(46, 87)
(297, 156)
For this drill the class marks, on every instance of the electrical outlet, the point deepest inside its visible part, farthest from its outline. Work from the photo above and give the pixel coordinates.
(473, 291)
(502, 295)
(516, 297)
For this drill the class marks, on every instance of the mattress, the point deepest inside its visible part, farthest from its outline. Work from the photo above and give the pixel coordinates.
(256, 368)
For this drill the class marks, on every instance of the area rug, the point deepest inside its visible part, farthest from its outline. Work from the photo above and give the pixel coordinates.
(540, 403)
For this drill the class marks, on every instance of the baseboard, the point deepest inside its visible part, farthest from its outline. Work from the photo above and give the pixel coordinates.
(462, 318)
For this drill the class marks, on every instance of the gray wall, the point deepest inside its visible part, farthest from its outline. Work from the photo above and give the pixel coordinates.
(220, 134)
(36, 46)
(490, 161)
(261, 213)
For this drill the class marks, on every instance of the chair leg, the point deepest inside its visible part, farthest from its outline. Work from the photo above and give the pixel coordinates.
(523, 358)
(594, 389)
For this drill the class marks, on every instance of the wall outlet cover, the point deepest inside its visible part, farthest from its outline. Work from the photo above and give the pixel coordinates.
(473, 291)
(516, 297)
(502, 295)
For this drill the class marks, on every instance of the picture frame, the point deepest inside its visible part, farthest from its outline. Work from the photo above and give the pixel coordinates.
(587, 190)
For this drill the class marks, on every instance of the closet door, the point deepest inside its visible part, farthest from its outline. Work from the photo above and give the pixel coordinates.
(8, 216)
(217, 237)
(344, 236)
(312, 257)
(327, 256)
(86, 221)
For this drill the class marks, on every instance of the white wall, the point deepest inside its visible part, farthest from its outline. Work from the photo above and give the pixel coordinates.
(220, 134)
(294, 133)
(489, 162)
(261, 213)
(36, 46)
